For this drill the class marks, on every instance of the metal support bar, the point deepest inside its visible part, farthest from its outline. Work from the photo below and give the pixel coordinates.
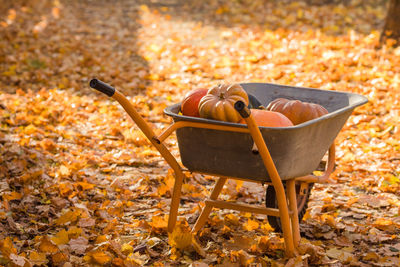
(207, 209)
(294, 217)
(180, 124)
(328, 170)
(242, 207)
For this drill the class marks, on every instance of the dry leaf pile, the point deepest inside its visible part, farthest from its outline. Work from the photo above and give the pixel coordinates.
(80, 184)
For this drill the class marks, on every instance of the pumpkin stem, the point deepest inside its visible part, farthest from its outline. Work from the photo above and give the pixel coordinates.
(221, 96)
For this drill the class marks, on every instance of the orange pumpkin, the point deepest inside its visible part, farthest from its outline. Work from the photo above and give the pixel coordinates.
(296, 110)
(218, 103)
(269, 118)
(190, 103)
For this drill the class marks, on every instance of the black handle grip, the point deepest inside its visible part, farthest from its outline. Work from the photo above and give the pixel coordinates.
(102, 87)
(240, 107)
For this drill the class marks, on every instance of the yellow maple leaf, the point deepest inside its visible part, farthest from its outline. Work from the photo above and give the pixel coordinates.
(126, 249)
(61, 238)
(181, 237)
(251, 225)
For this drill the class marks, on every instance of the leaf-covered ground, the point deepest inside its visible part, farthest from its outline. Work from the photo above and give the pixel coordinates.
(80, 185)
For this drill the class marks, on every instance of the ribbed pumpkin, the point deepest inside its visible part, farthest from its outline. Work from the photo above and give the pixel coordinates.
(218, 103)
(296, 110)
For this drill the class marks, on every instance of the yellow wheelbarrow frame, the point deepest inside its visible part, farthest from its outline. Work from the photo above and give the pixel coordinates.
(287, 202)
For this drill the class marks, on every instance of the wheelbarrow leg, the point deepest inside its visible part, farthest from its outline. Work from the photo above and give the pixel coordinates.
(291, 191)
(274, 176)
(176, 196)
(207, 209)
(285, 220)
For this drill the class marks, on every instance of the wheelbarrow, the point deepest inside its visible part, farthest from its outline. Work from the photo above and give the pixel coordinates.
(285, 158)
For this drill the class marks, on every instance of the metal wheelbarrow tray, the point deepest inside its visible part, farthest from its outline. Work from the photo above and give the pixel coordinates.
(287, 156)
(296, 151)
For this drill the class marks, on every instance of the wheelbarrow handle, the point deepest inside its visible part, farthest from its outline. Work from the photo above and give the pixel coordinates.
(243, 110)
(102, 87)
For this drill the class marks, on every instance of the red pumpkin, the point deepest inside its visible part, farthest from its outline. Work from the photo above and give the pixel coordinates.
(267, 118)
(190, 103)
(296, 110)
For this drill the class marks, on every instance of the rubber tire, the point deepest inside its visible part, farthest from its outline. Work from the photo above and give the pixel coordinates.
(272, 202)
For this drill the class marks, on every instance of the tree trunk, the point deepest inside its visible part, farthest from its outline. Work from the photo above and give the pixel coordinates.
(392, 23)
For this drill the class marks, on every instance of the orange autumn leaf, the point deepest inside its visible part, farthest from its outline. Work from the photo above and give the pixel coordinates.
(100, 257)
(159, 222)
(47, 246)
(85, 185)
(74, 232)
(61, 238)
(7, 247)
(101, 239)
(251, 225)
(231, 219)
(12, 196)
(38, 258)
(68, 217)
(59, 258)
(65, 189)
(55, 12)
(163, 189)
(383, 224)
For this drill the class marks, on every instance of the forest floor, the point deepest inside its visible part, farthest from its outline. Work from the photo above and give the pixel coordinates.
(80, 184)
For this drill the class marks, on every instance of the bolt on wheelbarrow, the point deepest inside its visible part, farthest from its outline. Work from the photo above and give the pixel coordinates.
(285, 160)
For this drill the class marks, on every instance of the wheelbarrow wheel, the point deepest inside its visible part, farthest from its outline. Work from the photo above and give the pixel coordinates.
(272, 202)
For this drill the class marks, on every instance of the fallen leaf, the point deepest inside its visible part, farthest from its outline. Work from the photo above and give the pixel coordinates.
(159, 222)
(7, 247)
(342, 255)
(37, 258)
(47, 246)
(18, 260)
(79, 245)
(251, 225)
(181, 237)
(100, 257)
(61, 238)
(68, 217)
